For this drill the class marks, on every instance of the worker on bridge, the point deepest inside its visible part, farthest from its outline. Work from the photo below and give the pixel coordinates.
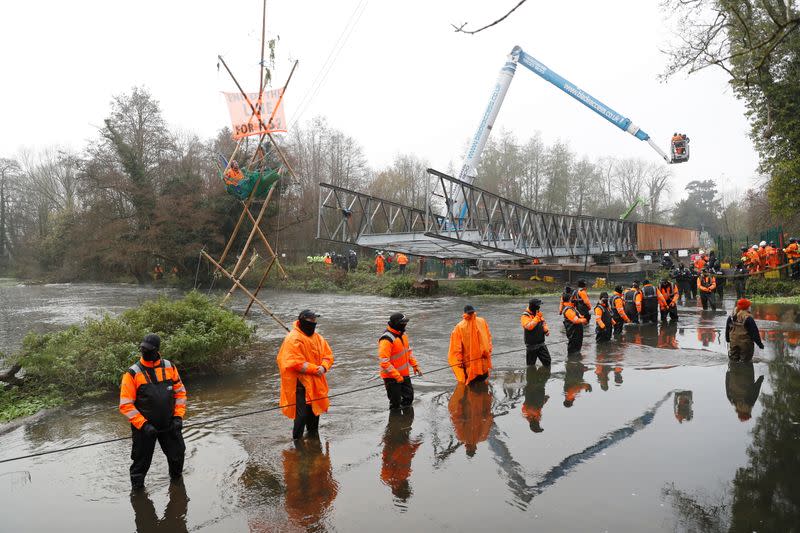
(604, 321)
(470, 353)
(668, 301)
(617, 304)
(535, 330)
(741, 332)
(707, 284)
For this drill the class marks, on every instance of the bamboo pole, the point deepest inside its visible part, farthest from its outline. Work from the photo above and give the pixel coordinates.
(244, 290)
(246, 247)
(260, 284)
(244, 273)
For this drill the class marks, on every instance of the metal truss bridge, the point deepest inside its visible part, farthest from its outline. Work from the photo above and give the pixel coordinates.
(493, 228)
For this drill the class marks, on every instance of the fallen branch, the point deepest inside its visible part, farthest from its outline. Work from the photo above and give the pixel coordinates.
(10, 376)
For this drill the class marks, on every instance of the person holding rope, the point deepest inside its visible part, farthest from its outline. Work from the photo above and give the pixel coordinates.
(573, 324)
(707, 285)
(535, 330)
(395, 358)
(153, 399)
(470, 353)
(304, 359)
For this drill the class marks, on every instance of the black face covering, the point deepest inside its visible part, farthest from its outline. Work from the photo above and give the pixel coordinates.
(150, 355)
(307, 327)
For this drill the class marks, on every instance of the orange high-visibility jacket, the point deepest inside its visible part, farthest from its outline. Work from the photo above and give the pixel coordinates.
(773, 261)
(599, 311)
(310, 487)
(707, 283)
(668, 297)
(584, 296)
(470, 351)
(471, 414)
(572, 315)
(530, 320)
(328, 260)
(753, 260)
(638, 300)
(792, 252)
(379, 264)
(402, 259)
(394, 355)
(163, 371)
(700, 262)
(298, 359)
(233, 176)
(619, 305)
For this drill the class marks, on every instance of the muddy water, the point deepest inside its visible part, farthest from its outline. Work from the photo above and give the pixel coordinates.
(652, 432)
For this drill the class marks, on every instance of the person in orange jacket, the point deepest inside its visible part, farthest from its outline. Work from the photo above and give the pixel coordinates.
(309, 484)
(573, 323)
(632, 300)
(396, 358)
(647, 302)
(233, 175)
(700, 261)
(471, 413)
(792, 252)
(754, 259)
(581, 300)
(470, 353)
(707, 285)
(380, 264)
(604, 321)
(402, 261)
(328, 260)
(773, 260)
(762, 254)
(303, 361)
(398, 453)
(668, 300)
(574, 383)
(153, 399)
(617, 304)
(535, 330)
(535, 396)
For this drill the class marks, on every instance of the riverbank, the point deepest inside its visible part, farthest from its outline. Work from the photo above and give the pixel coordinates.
(84, 361)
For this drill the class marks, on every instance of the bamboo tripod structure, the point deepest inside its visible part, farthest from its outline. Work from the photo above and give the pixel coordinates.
(256, 235)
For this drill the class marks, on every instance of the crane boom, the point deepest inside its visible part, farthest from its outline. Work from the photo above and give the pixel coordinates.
(472, 158)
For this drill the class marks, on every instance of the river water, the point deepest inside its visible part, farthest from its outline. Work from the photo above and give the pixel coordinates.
(655, 432)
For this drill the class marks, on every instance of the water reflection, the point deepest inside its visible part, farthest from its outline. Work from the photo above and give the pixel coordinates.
(682, 406)
(707, 335)
(609, 358)
(471, 412)
(667, 336)
(398, 453)
(574, 383)
(310, 487)
(174, 520)
(535, 397)
(742, 388)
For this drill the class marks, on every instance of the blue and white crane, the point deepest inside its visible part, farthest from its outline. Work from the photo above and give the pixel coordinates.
(679, 150)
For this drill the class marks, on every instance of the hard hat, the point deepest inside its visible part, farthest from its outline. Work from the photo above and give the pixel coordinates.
(701, 251)
(762, 243)
(666, 254)
(755, 247)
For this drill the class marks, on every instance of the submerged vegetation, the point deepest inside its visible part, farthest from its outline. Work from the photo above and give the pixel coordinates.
(81, 361)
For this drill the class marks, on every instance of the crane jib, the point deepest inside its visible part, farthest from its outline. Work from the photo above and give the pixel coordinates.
(580, 95)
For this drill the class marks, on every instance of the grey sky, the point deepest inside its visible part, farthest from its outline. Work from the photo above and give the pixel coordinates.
(404, 82)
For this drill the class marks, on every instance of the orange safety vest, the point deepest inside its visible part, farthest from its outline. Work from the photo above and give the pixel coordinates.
(707, 283)
(152, 392)
(792, 252)
(395, 355)
(233, 176)
(298, 360)
(668, 297)
(402, 259)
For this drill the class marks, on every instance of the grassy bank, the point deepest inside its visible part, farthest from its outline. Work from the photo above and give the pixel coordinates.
(319, 278)
(87, 360)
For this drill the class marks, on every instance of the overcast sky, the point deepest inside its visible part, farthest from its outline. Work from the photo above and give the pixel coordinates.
(403, 82)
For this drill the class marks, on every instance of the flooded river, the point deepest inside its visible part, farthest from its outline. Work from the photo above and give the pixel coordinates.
(656, 432)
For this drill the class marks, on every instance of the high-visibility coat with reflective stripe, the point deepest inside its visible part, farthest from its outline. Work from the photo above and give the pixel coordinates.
(792, 251)
(602, 316)
(298, 360)
(649, 299)
(534, 326)
(402, 259)
(470, 353)
(618, 308)
(395, 355)
(668, 297)
(137, 403)
(773, 260)
(571, 316)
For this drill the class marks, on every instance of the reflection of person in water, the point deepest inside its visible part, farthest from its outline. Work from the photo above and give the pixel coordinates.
(682, 406)
(573, 380)
(310, 487)
(742, 388)
(535, 396)
(609, 357)
(398, 452)
(471, 412)
(174, 520)
(667, 336)
(706, 335)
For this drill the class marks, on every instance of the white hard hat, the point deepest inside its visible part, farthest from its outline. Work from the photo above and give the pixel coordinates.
(762, 243)
(755, 247)
(702, 251)
(666, 254)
